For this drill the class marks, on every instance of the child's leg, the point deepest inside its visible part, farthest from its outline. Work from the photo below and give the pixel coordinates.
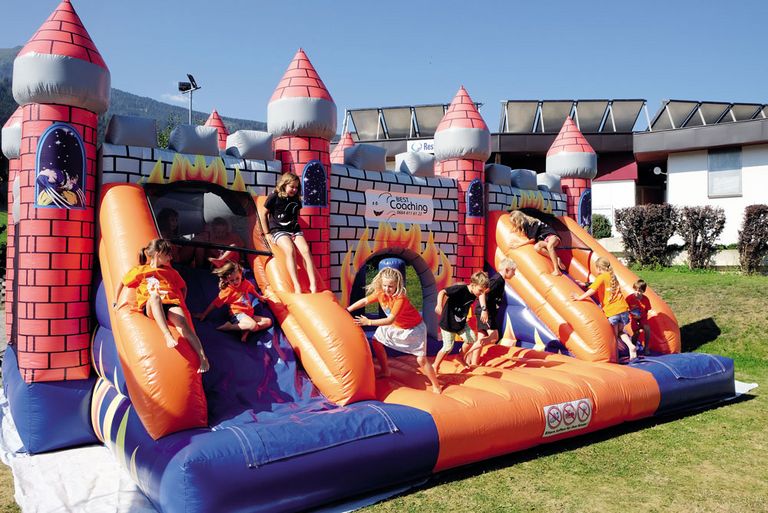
(286, 244)
(155, 311)
(429, 372)
(646, 335)
(557, 264)
(618, 330)
(381, 356)
(177, 317)
(309, 265)
(447, 346)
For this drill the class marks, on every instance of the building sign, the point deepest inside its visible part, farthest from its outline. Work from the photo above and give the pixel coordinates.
(423, 145)
(398, 207)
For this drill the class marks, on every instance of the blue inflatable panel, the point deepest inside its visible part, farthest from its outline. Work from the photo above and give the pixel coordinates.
(689, 380)
(48, 415)
(274, 443)
(105, 359)
(101, 307)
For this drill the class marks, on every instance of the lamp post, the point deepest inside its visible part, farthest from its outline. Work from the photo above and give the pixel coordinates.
(189, 88)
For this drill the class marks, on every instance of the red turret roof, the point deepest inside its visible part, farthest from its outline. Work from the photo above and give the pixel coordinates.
(462, 113)
(215, 121)
(570, 139)
(64, 34)
(301, 81)
(337, 155)
(16, 118)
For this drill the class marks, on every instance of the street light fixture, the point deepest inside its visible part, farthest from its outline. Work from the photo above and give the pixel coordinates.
(189, 88)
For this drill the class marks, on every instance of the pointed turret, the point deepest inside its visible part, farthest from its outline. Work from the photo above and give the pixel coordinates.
(61, 65)
(337, 155)
(572, 158)
(215, 121)
(302, 118)
(462, 145)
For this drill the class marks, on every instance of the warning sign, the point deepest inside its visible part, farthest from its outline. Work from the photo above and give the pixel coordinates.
(567, 416)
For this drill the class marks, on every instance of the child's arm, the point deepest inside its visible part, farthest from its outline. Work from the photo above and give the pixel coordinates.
(201, 316)
(358, 304)
(587, 293)
(440, 301)
(362, 320)
(483, 307)
(264, 223)
(117, 295)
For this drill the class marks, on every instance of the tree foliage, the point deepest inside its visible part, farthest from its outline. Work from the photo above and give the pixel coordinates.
(753, 238)
(601, 226)
(646, 230)
(700, 227)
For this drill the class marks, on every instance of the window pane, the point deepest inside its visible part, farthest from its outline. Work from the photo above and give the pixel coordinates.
(724, 173)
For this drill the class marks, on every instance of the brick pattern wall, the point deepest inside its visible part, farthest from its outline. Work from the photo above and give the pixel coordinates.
(55, 262)
(573, 188)
(295, 152)
(348, 223)
(13, 169)
(470, 250)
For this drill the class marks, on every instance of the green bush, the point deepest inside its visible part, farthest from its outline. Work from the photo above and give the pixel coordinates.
(601, 226)
(646, 230)
(753, 238)
(700, 227)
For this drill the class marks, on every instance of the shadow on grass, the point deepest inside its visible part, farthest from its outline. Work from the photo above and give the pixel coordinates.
(696, 334)
(569, 444)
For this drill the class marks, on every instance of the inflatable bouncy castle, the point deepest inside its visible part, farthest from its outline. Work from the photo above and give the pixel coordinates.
(294, 417)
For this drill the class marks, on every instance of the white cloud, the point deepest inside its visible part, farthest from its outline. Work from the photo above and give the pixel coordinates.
(175, 98)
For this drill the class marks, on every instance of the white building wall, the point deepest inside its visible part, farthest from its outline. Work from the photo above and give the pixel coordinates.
(687, 185)
(607, 197)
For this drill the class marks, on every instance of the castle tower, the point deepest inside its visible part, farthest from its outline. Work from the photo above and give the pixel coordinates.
(62, 84)
(11, 135)
(337, 155)
(572, 158)
(216, 122)
(302, 119)
(462, 145)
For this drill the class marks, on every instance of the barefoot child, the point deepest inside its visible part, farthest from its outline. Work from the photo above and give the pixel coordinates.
(239, 295)
(403, 329)
(458, 300)
(543, 237)
(606, 286)
(160, 292)
(487, 309)
(281, 222)
(639, 306)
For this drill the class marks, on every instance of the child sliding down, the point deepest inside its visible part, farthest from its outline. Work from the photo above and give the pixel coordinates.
(160, 293)
(239, 295)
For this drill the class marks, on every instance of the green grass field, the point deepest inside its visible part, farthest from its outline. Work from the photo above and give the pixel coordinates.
(707, 461)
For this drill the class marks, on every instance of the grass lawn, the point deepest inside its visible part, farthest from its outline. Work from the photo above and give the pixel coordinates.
(709, 461)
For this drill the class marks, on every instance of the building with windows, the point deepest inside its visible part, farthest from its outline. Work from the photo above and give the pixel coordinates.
(688, 153)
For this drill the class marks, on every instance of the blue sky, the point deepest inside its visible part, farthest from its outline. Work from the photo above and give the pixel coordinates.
(373, 54)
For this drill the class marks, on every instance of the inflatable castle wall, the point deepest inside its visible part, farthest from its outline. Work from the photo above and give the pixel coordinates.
(253, 434)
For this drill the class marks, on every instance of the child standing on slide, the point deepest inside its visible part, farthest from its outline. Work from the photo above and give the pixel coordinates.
(543, 237)
(487, 309)
(402, 329)
(239, 295)
(458, 300)
(606, 286)
(281, 222)
(160, 292)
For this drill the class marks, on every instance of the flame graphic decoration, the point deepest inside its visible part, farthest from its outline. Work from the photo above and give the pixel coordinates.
(388, 237)
(530, 199)
(183, 169)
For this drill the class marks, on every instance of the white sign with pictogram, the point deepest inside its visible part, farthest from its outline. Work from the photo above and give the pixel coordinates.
(567, 416)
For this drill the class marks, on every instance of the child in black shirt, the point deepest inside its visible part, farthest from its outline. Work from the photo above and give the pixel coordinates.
(543, 237)
(458, 300)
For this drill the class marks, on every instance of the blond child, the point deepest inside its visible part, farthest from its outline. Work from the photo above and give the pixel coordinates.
(239, 295)
(487, 309)
(543, 237)
(160, 293)
(606, 286)
(639, 306)
(281, 222)
(402, 329)
(453, 304)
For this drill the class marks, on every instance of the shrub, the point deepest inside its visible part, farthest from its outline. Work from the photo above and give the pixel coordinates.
(753, 238)
(646, 230)
(700, 227)
(601, 226)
